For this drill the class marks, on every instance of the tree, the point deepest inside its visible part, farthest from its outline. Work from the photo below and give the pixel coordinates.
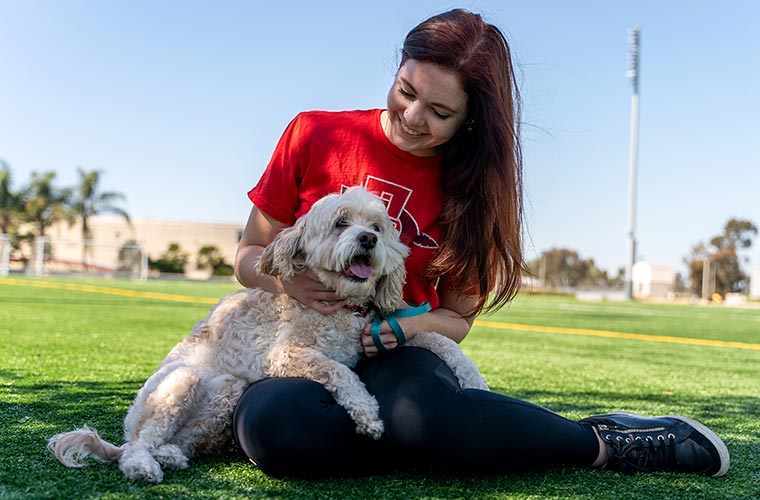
(89, 201)
(680, 284)
(173, 260)
(11, 210)
(209, 257)
(737, 233)
(565, 268)
(11, 202)
(45, 204)
(695, 263)
(723, 257)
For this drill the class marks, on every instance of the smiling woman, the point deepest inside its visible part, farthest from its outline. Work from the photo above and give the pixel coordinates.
(426, 106)
(445, 158)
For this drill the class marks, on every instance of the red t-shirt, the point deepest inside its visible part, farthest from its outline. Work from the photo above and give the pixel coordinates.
(322, 152)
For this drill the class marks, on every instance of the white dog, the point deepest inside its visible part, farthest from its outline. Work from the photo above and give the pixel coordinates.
(185, 408)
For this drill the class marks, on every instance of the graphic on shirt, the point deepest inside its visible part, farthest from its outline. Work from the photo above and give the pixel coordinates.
(396, 197)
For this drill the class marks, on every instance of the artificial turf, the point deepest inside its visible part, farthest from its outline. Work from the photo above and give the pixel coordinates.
(73, 353)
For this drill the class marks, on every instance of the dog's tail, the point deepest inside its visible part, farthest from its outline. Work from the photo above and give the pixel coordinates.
(71, 448)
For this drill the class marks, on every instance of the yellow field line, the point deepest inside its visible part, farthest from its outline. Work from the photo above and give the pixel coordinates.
(483, 323)
(111, 291)
(616, 335)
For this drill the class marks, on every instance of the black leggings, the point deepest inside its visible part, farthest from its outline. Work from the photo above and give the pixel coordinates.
(293, 427)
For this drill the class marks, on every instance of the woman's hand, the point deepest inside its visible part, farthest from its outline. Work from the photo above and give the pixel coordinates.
(450, 320)
(410, 326)
(306, 288)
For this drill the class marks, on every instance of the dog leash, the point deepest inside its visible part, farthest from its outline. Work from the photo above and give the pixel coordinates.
(391, 319)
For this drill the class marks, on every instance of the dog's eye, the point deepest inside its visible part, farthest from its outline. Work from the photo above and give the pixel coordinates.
(375, 227)
(341, 223)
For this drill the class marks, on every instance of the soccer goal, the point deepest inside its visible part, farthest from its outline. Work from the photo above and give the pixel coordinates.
(52, 256)
(5, 254)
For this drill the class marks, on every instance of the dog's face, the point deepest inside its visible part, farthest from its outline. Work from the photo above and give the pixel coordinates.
(348, 240)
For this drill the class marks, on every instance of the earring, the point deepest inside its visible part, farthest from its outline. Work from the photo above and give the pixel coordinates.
(470, 123)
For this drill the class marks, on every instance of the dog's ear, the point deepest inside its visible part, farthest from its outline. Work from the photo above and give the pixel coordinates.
(284, 256)
(389, 289)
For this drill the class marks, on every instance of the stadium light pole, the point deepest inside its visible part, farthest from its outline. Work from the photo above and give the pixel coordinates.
(633, 157)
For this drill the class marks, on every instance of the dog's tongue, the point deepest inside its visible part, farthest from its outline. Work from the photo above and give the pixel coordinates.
(360, 269)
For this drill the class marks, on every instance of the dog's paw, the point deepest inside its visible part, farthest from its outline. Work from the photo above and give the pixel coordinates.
(170, 457)
(481, 384)
(372, 428)
(472, 380)
(140, 465)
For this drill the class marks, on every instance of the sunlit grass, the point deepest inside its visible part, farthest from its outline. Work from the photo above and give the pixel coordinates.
(71, 357)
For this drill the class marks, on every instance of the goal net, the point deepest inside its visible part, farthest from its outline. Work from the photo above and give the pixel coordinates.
(52, 256)
(5, 254)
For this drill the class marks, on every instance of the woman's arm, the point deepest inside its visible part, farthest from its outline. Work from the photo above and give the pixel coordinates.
(260, 231)
(449, 320)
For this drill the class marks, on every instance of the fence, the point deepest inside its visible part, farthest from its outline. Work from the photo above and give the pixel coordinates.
(5, 254)
(56, 256)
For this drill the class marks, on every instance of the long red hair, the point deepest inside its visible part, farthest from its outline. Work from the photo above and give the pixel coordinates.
(481, 249)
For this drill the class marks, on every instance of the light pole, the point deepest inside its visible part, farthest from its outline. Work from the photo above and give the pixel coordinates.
(633, 158)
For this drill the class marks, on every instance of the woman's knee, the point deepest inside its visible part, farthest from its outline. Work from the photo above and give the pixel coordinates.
(292, 427)
(417, 393)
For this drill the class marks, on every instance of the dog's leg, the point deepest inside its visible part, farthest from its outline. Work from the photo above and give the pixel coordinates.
(209, 429)
(170, 456)
(341, 381)
(467, 373)
(157, 420)
(138, 464)
(140, 411)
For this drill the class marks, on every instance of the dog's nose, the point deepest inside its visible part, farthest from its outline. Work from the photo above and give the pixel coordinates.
(367, 240)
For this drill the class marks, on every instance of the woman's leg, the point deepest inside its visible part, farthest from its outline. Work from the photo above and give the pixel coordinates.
(293, 427)
(431, 420)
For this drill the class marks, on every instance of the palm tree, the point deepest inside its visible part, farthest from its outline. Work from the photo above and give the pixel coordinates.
(44, 204)
(89, 201)
(11, 202)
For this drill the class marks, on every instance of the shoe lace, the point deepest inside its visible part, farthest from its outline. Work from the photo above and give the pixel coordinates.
(641, 454)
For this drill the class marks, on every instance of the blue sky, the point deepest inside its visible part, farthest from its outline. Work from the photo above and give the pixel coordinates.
(180, 103)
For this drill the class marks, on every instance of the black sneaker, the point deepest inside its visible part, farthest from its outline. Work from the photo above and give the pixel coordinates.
(651, 444)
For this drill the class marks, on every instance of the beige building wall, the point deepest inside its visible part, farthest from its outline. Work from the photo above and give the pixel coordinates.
(754, 283)
(154, 235)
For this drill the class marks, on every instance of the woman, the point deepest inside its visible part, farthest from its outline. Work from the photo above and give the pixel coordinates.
(445, 154)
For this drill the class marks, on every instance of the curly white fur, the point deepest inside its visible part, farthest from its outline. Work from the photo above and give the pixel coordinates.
(185, 408)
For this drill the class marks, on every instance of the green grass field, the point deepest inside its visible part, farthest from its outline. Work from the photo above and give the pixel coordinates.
(74, 352)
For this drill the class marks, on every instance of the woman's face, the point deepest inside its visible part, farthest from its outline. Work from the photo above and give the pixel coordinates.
(426, 106)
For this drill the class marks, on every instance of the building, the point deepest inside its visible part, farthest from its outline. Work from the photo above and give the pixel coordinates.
(754, 283)
(110, 233)
(652, 281)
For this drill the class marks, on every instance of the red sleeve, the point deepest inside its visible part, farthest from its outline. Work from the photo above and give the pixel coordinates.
(276, 193)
